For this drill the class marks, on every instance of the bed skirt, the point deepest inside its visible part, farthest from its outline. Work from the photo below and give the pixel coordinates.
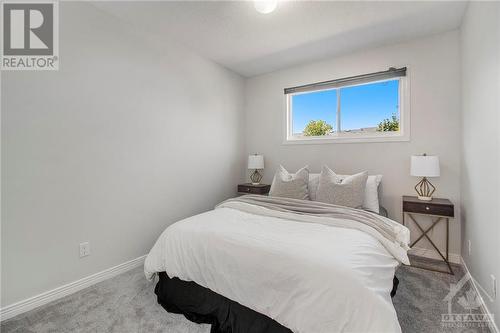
(203, 306)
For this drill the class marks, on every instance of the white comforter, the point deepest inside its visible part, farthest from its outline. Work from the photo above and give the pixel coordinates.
(309, 277)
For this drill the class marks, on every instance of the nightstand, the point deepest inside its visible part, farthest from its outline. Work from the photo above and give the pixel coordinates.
(249, 188)
(439, 210)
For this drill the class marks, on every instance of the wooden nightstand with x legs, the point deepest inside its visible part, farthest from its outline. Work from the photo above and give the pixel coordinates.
(439, 210)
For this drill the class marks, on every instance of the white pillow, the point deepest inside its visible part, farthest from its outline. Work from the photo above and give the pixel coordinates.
(370, 201)
(313, 185)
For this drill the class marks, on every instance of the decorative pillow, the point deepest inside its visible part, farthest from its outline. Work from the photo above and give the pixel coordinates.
(349, 191)
(370, 202)
(371, 199)
(313, 185)
(290, 185)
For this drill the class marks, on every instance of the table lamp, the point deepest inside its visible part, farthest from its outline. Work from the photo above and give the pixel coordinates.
(425, 166)
(256, 163)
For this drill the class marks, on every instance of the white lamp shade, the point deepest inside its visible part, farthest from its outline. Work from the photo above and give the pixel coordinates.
(256, 161)
(425, 166)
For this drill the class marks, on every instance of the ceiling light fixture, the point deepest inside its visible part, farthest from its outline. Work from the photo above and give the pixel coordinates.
(265, 6)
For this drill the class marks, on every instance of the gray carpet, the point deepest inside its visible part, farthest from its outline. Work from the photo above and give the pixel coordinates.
(419, 301)
(127, 303)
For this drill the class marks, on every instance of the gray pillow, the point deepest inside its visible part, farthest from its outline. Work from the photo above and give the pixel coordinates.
(290, 185)
(348, 191)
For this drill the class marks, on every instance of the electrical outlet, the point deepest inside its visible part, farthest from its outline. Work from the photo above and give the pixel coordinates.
(493, 286)
(84, 249)
(469, 247)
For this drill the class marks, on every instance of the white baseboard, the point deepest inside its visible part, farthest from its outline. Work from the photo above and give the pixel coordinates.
(17, 308)
(476, 286)
(432, 254)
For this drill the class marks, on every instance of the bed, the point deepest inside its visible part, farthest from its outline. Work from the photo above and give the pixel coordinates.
(267, 264)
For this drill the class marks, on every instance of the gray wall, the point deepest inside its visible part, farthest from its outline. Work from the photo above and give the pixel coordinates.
(481, 145)
(123, 140)
(434, 64)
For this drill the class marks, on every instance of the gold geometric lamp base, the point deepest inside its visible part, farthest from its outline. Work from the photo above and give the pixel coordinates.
(256, 177)
(425, 189)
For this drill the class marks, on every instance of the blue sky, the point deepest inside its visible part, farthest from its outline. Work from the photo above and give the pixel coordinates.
(361, 106)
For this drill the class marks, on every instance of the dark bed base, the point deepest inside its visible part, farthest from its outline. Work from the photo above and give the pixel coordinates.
(201, 305)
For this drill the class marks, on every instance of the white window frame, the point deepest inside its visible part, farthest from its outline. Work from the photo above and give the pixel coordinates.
(345, 137)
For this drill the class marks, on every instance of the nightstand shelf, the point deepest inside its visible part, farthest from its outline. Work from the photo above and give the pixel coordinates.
(441, 210)
(249, 188)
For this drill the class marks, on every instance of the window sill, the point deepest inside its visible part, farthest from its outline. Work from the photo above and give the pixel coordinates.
(316, 140)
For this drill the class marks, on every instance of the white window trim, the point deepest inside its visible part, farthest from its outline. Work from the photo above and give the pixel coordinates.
(402, 135)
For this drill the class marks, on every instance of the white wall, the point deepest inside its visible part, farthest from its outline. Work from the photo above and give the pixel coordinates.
(123, 140)
(434, 65)
(480, 178)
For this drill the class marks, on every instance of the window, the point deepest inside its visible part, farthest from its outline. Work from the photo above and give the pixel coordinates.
(363, 108)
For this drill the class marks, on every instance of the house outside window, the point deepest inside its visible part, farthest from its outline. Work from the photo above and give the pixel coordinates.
(365, 108)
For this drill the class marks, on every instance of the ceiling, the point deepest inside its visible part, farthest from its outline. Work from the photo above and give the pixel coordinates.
(235, 35)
